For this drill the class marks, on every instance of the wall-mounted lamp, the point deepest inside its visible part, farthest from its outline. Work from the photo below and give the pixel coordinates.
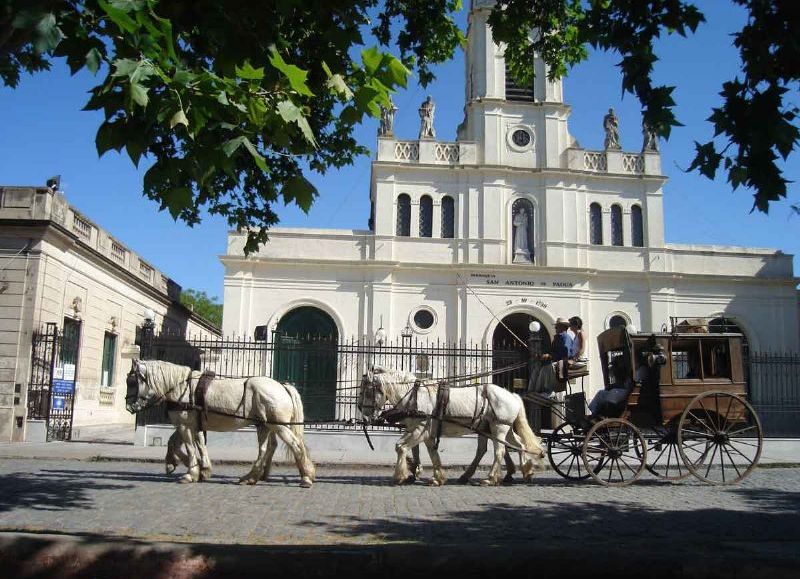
(534, 326)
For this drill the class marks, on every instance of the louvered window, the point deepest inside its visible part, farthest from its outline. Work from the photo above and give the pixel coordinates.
(595, 224)
(403, 216)
(426, 216)
(616, 225)
(448, 218)
(637, 226)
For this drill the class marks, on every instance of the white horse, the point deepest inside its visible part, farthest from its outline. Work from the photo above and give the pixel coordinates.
(231, 403)
(487, 408)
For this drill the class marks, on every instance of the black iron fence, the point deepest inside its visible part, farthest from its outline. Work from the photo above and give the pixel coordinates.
(774, 389)
(328, 373)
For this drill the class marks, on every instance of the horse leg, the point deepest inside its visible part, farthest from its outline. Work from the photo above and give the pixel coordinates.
(438, 474)
(205, 460)
(254, 475)
(272, 444)
(175, 454)
(479, 452)
(300, 456)
(187, 430)
(415, 464)
(401, 473)
(510, 468)
(499, 432)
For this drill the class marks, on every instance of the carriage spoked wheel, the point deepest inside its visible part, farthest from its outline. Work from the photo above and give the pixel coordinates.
(663, 457)
(564, 448)
(720, 437)
(614, 452)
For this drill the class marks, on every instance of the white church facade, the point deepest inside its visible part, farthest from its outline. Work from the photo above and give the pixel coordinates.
(513, 221)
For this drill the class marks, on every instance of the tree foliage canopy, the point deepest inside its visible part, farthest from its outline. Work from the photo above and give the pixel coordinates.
(234, 101)
(203, 305)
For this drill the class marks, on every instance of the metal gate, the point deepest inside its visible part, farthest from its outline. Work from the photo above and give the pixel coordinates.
(51, 389)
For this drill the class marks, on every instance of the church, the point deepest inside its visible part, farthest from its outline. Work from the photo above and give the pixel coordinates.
(471, 241)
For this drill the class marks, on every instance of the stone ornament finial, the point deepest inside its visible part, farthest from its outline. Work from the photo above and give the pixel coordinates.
(386, 127)
(611, 127)
(426, 112)
(649, 139)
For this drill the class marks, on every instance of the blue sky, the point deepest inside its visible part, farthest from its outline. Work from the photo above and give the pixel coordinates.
(44, 133)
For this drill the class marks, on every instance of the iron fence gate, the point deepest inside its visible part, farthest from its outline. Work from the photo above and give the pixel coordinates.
(51, 389)
(327, 372)
(774, 390)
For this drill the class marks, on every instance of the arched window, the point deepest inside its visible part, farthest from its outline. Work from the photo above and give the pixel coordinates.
(426, 216)
(595, 224)
(637, 227)
(616, 225)
(448, 217)
(403, 215)
(522, 231)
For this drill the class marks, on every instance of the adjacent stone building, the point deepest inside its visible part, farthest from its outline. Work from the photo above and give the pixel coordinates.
(513, 221)
(58, 267)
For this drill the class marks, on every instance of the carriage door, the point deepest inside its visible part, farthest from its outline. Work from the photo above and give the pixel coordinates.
(306, 354)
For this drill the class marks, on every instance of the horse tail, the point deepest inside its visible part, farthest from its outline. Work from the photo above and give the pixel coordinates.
(533, 444)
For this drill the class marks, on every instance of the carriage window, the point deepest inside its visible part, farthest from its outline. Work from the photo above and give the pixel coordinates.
(686, 360)
(716, 359)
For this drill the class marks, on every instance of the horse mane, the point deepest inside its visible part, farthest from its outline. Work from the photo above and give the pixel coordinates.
(163, 376)
(389, 377)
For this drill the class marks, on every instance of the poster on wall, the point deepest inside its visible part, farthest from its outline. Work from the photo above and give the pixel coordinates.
(69, 372)
(63, 387)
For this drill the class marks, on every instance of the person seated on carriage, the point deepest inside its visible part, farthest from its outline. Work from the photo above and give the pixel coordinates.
(555, 364)
(579, 357)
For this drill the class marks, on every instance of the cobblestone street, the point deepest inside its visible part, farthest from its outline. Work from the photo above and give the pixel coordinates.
(756, 520)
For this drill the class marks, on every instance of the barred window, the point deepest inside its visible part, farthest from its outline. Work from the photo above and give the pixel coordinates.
(637, 226)
(515, 91)
(616, 225)
(403, 215)
(448, 218)
(595, 224)
(426, 216)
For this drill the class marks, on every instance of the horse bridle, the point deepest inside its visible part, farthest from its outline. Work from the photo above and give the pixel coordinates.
(375, 387)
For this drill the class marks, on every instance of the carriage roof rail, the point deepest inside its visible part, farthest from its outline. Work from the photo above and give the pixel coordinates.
(703, 325)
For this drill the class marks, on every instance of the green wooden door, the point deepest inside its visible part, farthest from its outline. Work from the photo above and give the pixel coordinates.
(305, 355)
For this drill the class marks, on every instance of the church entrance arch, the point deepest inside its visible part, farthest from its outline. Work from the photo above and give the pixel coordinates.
(306, 342)
(511, 344)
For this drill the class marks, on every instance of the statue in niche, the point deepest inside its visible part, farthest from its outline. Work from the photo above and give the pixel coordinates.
(650, 139)
(426, 111)
(386, 128)
(522, 251)
(611, 127)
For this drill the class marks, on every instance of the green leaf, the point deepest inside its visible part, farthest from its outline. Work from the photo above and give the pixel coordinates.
(177, 199)
(135, 149)
(300, 190)
(259, 160)
(48, 34)
(119, 17)
(139, 94)
(93, 60)
(372, 59)
(127, 5)
(247, 72)
(230, 147)
(179, 118)
(337, 83)
(124, 67)
(183, 77)
(289, 112)
(399, 73)
(296, 76)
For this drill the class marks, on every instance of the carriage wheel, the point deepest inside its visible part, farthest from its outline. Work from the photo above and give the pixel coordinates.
(720, 438)
(564, 447)
(663, 457)
(614, 453)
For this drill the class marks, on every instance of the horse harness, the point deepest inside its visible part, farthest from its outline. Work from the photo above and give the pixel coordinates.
(409, 407)
(197, 399)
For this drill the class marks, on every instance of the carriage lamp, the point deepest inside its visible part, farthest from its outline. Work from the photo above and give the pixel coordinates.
(535, 326)
(380, 336)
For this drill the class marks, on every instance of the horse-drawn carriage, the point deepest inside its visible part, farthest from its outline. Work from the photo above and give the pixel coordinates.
(681, 410)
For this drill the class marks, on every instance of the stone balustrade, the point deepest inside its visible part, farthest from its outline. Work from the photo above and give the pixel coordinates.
(613, 161)
(41, 203)
(427, 152)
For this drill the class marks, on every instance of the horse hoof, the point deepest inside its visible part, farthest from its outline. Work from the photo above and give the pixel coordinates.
(306, 482)
(528, 479)
(488, 482)
(247, 481)
(170, 468)
(434, 483)
(205, 474)
(186, 479)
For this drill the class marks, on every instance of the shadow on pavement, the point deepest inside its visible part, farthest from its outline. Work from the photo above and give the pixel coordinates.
(38, 491)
